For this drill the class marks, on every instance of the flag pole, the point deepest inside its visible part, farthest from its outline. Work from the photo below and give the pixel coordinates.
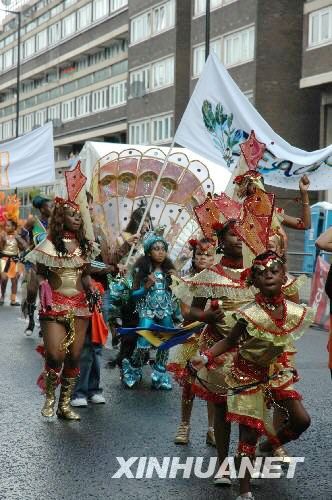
(148, 206)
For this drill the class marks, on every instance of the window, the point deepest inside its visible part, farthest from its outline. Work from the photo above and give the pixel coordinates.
(69, 25)
(162, 129)
(320, 27)
(118, 94)
(41, 40)
(28, 122)
(68, 110)
(198, 60)
(163, 73)
(53, 112)
(200, 6)
(29, 47)
(139, 82)
(117, 4)
(54, 33)
(56, 10)
(139, 132)
(100, 9)
(140, 27)
(163, 17)
(1, 132)
(7, 130)
(84, 16)
(239, 47)
(99, 100)
(1, 62)
(120, 67)
(31, 26)
(68, 3)
(83, 106)
(8, 59)
(41, 117)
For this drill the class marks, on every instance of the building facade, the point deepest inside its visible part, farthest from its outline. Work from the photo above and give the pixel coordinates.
(124, 70)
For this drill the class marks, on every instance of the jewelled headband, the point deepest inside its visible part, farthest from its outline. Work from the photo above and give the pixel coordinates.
(267, 262)
(61, 202)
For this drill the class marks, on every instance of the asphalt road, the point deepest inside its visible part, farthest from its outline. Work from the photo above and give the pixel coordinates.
(51, 459)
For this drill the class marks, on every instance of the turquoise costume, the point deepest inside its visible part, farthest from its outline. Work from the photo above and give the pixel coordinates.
(154, 305)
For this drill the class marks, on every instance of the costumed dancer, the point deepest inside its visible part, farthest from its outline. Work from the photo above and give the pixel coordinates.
(221, 282)
(66, 295)
(203, 258)
(250, 375)
(11, 245)
(155, 304)
(34, 230)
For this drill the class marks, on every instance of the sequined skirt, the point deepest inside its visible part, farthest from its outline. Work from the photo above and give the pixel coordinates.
(62, 305)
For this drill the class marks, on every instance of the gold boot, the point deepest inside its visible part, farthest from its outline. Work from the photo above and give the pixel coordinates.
(64, 409)
(51, 380)
(182, 435)
(210, 439)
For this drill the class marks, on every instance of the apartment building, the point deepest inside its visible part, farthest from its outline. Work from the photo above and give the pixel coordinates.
(74, 62)
(124, 70)
(317, 60)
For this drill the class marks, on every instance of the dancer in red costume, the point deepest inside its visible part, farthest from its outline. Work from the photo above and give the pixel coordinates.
(249, 373)
(66, 296)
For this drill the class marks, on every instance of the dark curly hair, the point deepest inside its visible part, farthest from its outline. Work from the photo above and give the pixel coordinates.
(56, 231)
(144, 266)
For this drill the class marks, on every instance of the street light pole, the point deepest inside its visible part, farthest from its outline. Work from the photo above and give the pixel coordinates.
(18, 69)
(207, 29)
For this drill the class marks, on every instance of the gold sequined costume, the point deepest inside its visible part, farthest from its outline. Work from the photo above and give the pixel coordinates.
(256, 363)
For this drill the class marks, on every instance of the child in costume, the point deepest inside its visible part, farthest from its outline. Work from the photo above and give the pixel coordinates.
(220, 282)
(250, 375)
(154, 304)
(203, 258)
(66, 295)
(11, 245)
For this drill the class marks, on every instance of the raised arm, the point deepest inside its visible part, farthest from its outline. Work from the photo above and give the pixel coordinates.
(303, 222)
(324, 242)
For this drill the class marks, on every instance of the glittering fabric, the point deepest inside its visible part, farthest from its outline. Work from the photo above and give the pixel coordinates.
(262, 326)
(62, 305)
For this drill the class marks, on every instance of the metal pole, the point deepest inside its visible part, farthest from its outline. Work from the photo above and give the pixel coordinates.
(18, 84)
(207, 29)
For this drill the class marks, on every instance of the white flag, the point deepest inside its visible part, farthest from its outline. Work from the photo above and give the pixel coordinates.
(28, 160)
(219, 118)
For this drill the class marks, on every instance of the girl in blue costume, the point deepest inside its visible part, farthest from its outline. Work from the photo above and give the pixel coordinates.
(154, 304)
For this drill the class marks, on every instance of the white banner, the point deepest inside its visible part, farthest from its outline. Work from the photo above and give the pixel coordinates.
(219, 118)
(28, 160)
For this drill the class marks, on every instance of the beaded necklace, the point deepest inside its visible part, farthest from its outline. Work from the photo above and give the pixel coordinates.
(270, 304)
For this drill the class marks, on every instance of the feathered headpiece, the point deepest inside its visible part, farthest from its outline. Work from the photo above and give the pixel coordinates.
(9, 208)
(204, 245)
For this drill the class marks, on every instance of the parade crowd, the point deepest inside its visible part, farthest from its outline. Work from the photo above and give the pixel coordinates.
(226, 331)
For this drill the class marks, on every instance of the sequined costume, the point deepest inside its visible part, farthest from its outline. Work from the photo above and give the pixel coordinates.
(155, 305)
(221, 283)
(64, 278)
(9, 256)
(256, 363)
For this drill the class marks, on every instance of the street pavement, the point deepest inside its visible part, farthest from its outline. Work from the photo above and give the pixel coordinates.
(55, 460)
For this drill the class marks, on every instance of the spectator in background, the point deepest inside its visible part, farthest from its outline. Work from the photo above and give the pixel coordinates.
(324, 243)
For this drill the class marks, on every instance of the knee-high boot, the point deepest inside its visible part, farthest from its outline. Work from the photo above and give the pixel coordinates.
(51, 382)
(64, 409)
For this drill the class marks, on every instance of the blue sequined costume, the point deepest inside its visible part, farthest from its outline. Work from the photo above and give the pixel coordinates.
(155, 305)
